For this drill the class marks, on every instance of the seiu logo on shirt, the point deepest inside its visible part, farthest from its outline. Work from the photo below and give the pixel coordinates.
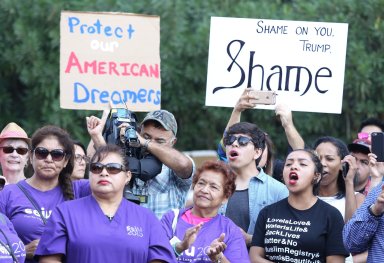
(135, 231)
(46, 214)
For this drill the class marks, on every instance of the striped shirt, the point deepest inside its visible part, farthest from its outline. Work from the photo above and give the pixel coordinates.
(365, 231)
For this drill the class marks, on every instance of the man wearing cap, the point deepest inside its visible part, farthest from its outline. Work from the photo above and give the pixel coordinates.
(360, 148)
(369, 172)
(169, 188)
(14, 152)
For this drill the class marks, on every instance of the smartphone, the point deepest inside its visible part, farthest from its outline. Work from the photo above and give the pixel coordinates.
(345, 169)
(266, 97)
(377, 147)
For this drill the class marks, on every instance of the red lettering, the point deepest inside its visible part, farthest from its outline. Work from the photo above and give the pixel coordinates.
(143, 70)
(73, 62)
(134, 65)
(112, 69)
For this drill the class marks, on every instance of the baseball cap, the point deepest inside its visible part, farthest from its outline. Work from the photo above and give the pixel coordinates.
(14, 131)
(360, 146)
(165, 118)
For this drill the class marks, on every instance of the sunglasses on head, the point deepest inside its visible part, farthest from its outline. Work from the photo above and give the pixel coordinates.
(42, 153)
(242, 140)
(363, 135)
(10, 149)
(112, 168)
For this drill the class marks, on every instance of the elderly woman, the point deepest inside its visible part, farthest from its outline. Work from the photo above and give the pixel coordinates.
(199, 233)
(14, 145)
(29, 203)
(300, 227)
(119, 230)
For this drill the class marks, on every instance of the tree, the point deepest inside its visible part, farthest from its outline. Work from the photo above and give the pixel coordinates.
(29, 72)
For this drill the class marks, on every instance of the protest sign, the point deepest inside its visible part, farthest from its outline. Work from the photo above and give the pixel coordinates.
(109, 57)
(303, 62)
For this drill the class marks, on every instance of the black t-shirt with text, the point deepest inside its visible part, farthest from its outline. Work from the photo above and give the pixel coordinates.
(306, 236)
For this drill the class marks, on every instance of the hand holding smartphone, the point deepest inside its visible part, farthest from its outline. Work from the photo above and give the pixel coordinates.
(265, 97)
(377, 147)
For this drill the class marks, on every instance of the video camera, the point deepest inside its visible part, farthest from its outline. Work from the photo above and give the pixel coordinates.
(121, 129)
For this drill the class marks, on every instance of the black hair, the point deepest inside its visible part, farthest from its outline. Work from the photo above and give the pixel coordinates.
(342, 151)
(372, 121)
(82, 146)
(250, 129)
(318, 166)
(65, 140)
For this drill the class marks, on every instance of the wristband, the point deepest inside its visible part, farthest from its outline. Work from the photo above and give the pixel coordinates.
(174, 242)
(371, 212)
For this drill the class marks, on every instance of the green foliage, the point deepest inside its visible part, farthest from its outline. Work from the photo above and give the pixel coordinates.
(29, 72)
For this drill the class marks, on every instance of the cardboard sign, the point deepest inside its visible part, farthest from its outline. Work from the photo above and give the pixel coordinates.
(109, 57)
(303, 62)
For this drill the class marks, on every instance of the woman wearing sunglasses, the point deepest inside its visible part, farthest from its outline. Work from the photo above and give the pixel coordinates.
(120, 231)
(29, 203)
(14, 149)
(199, 233)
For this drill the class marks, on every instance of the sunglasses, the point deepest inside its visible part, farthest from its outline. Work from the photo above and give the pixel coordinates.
(363, 135)
(242, 140)
(42, 153)
(79, 158)
(112, 168)
(10, 149)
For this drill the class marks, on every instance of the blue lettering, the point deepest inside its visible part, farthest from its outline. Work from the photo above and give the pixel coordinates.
(107, 31)
(116, 94)
(130, 96)
(141, 95)
(76, 93)
(83, 94)
(93, 97)
(71, 25)
(150, 92)
(119, 34)
(104, 96)
(157, 100)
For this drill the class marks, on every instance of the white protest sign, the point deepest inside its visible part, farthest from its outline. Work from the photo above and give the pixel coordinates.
(303, 62)
(109, 57)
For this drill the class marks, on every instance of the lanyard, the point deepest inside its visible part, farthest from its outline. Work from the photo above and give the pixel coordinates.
(8, 247)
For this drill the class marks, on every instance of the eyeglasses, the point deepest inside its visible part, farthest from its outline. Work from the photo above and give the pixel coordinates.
(242, 140)
(10, 149)
(363, 135)
(42, 153)
(79, 158)
(112, 168)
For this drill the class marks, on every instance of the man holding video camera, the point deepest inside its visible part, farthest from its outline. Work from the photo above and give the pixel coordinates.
(167, 189)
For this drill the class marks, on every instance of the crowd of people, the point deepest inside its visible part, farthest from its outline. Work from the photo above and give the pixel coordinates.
(324, 202)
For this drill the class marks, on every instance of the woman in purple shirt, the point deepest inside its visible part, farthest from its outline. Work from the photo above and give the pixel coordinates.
(199, 233)
(29, 203)
(104, 227)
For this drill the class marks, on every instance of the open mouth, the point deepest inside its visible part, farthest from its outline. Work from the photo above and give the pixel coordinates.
(293, 177)
(233, 154)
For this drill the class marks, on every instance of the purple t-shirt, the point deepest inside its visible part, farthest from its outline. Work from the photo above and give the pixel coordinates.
(79, 230)
(236, 250)
(23, 215)
(9, 238)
